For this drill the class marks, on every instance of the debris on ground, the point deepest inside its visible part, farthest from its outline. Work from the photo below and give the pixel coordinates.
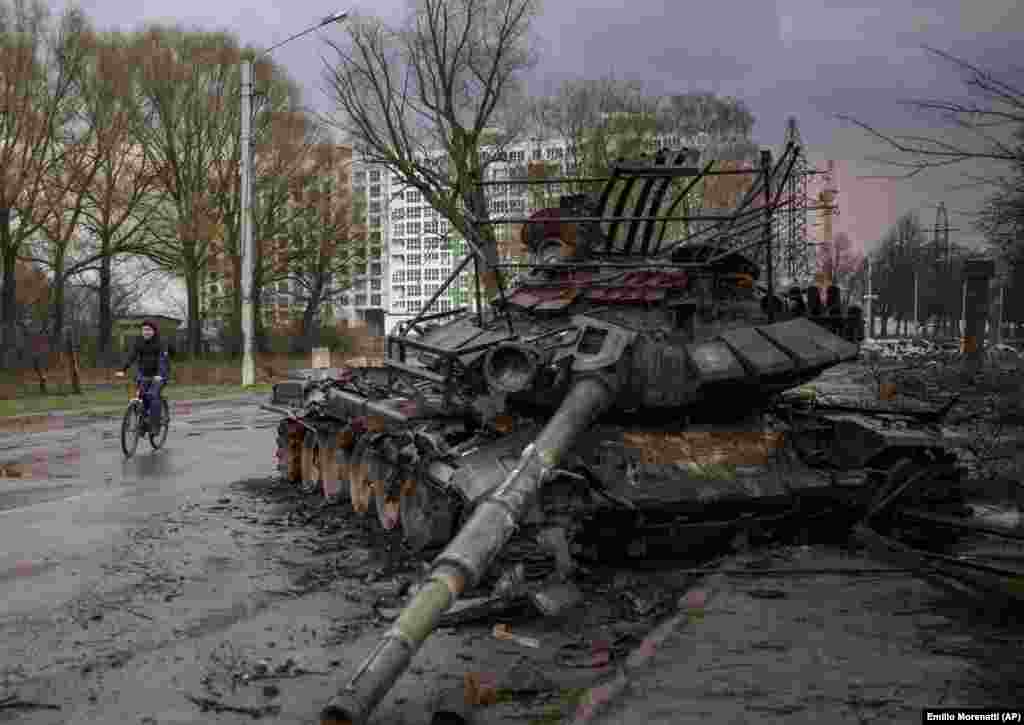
(208, 704)
(504, 633)
(13, 702)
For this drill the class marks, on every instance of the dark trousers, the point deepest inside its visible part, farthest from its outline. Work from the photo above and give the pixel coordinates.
(151, 399)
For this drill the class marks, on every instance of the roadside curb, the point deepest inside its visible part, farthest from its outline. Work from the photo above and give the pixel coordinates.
(73, 416)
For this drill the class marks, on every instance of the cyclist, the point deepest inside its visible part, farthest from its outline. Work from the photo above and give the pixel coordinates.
(154, 362)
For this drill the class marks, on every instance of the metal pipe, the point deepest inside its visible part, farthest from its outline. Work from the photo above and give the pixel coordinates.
(356, 405)
(289, 414)
(622, 218)
(440, 290)
(468, 556)
(766, 167)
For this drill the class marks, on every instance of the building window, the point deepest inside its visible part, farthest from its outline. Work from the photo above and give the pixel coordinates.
(414, 260)
(554, 153)
(413, 275)
(413, 245)
(375, 176)
(517, 205)
(412, 227)
(376, 269)
(375, 222)
(414, 291)
(360, 300)
(375, 207)
(398, 230)
(360, 177)
(397, 214)
(537, 153)
(517, 156)
(344, 300)
(375, 284)
(413, 197)
(398, 276)
(375, 191)
(430, 227)
(446, 305)
(432, 274)
(413, 212)
(443, 227)
(375, 300)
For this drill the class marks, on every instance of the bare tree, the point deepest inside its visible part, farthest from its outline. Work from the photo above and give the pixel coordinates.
(987, 128)
(1000, 107)
(189, 85)
(38, 76)
(437, 88)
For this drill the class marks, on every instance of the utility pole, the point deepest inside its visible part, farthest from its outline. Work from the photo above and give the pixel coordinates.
(248, 331)
(917, 317)
(868, 299)
(248, 251)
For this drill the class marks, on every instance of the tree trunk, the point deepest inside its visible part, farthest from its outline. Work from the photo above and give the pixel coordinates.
(57, 307)
(76, 384)
(262, 344)
(104, 342)
(310, 330)
(194, 331)
(236, 304)
(8, 299)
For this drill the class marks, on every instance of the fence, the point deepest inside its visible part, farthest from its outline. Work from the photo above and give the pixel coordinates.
(270, 368)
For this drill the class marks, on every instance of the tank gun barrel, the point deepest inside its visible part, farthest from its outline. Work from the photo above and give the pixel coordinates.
(467, 557)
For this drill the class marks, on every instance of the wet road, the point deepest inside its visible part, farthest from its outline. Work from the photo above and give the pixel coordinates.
(76, 491)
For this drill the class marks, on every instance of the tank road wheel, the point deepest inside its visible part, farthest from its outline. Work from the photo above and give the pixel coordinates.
(289, 451)
(312, 475)
(428, 515)
(336, 467)
(360, 489)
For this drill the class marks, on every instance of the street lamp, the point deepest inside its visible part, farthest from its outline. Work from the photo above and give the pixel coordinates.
(248, 332)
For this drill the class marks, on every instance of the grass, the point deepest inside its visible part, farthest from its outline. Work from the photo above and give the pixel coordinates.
(115, 398)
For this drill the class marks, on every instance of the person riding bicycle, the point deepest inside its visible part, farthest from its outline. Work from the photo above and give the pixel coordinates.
(154, 362)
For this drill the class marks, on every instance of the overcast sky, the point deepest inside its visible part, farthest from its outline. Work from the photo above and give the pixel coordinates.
(808, 58)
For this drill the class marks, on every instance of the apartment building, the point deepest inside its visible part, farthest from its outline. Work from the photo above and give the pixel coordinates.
(411, 249)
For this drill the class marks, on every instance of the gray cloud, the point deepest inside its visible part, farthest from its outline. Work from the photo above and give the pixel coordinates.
(809, 58)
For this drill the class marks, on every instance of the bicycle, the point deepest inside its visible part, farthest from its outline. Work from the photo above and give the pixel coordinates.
(133, 426)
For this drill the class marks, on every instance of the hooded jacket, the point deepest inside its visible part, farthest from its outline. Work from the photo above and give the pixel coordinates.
(151, 355)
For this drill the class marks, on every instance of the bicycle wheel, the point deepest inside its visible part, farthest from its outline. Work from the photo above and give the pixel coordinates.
(158, 438)
(130, 429)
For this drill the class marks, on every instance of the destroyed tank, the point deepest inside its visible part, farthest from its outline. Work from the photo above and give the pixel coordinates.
(566, 392)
